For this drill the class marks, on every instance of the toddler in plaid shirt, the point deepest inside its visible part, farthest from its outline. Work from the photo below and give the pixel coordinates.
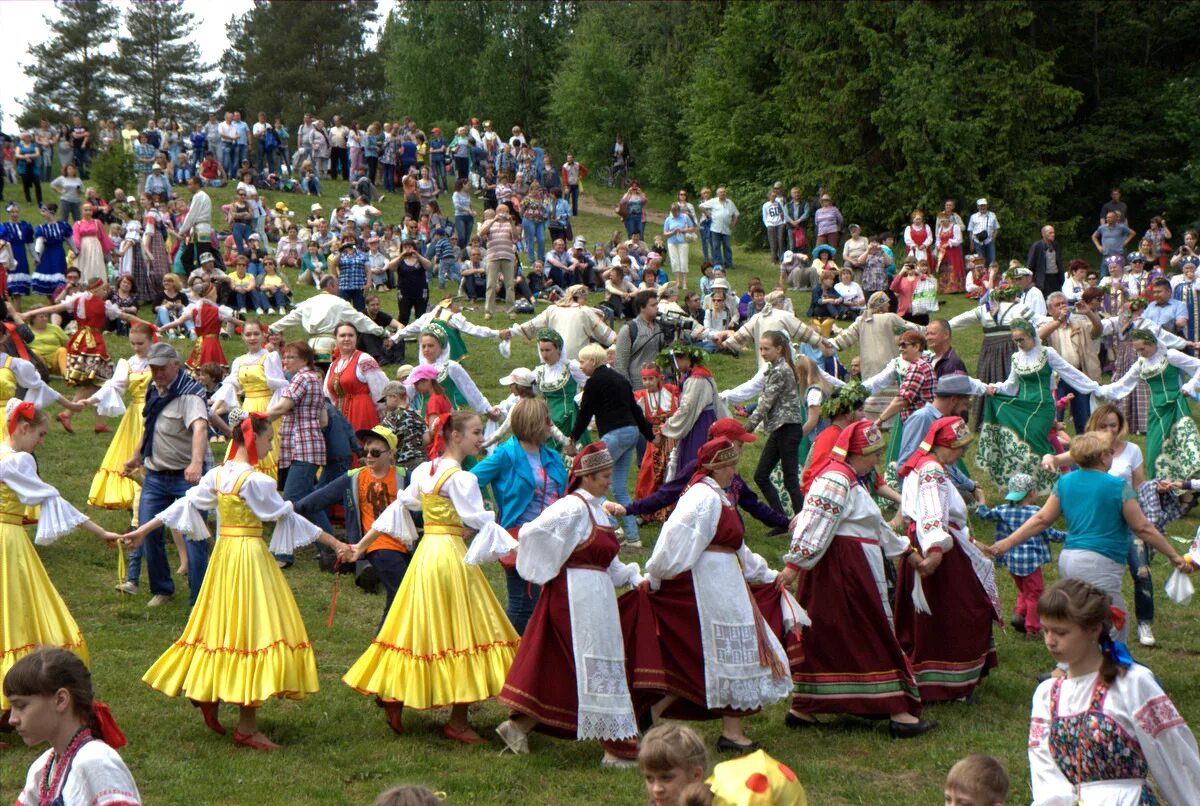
(1025, 561)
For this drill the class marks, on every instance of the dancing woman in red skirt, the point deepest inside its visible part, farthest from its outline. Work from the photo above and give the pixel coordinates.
(207, 316)
(839, 546)
(571, 551)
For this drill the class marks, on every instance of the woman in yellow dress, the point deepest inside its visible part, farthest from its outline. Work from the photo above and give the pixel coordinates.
(33, 612)
(445, 640)
(19, 373)
(244, 641)
(111, 489)
(257, 379)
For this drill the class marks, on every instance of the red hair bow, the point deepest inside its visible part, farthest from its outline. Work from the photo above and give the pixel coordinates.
(248, 436)
(22, 411)
(438, 446)
(109, 732)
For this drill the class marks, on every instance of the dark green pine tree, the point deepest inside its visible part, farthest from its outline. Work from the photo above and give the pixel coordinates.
(72, 70)
(159, 65)
(290, 58)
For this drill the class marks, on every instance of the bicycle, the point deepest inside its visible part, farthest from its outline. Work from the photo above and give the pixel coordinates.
(617, 174)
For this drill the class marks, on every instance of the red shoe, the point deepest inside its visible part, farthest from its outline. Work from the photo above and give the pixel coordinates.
(467, 736)
(65, 420)
(264, 743)
(102, 428)
(208, 710)
(394, 711)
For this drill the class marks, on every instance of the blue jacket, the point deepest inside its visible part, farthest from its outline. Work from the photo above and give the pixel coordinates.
(507, 470)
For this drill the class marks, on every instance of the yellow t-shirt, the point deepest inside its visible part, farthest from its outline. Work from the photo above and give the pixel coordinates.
(270, 282)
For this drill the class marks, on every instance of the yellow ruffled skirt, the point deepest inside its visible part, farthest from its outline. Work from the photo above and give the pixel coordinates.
(244, 641)
(32, 614)
(111, 490)
(445, 640)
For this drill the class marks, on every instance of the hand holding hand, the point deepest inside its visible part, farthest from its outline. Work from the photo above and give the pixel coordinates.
(1048, 464)
(991, 390)
(786, 578)
(73, 405)
(614, 509)
(192, 473)
(110, 538)
(979, 497)
(505, 334)
(930, 564)
(131, 540)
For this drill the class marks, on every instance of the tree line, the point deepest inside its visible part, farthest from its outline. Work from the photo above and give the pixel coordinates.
(1039, 105)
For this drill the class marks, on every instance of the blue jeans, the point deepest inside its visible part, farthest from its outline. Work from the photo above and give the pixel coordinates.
(275, 299)
(448, 270)
(439, 173)
(241, 235)
(1081, 405)
(239, 154)
(722, 250)
(1143, 585)
(162, 316)
(522, 596)
(534, 231)
(706, 244)
(229, 160)
(987, 251)
(574, 191)
(159, 491)
(622, 444)
(462, 229)
(355, 297)
(634, 224)
(300, 481)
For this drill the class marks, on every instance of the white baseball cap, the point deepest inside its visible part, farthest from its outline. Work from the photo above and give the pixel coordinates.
(520, 376)
(979, 202)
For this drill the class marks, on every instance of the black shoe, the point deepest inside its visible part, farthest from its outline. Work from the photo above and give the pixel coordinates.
(730, 746)
(903, 730)
(797, 723)
(1017, 623)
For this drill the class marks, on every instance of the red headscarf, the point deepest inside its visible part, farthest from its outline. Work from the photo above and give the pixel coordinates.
(22, 411)
(712, 454)
(948, 432)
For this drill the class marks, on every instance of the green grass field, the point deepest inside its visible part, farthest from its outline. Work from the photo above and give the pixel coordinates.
(336, 745)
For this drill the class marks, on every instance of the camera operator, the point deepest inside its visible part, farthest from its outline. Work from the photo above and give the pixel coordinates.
(1188, 250)
(639, 342)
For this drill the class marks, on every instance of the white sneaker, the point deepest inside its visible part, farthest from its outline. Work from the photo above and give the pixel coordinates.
(128, 587)
(159, 599)
(1145, 635)
(270, 311)
(259, 311)
(282, 310)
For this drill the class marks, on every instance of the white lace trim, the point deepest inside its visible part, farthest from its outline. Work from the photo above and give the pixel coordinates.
(747, 694)
(602, 726)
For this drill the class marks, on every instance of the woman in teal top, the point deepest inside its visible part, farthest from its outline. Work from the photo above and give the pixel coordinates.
(1102, 515)
(1172, 442)
(1017, 419)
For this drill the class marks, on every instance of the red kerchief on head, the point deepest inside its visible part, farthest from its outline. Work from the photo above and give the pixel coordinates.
(730, 429)
(861, 437)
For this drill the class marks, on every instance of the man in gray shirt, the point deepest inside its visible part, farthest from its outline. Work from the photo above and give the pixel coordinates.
(1111, 236)
(174, 452)
(639, 342)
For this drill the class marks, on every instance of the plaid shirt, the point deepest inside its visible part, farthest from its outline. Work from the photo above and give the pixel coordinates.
(352, 271)
(1030, 555)
(916, 389)
(300, 437)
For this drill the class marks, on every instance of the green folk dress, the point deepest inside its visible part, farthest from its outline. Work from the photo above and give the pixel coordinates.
(1016, 427)
(1172, 441)
(558, 386)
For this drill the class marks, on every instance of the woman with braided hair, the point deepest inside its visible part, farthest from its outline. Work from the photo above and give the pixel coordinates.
(244, 641)
(1019, 413)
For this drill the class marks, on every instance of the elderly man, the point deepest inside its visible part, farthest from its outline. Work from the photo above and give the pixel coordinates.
(982, 227)
(951, 398)
(1031, 296)
(574, 320)
(1046, 263)
(945, 361)
(724, 215)
(320, 315)
(1072, 335)
(174, 452)
(1169, 314)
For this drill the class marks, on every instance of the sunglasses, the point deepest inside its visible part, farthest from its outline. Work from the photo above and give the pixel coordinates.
(374, 453)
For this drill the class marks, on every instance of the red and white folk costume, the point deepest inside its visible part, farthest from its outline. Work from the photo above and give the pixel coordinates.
(840, 545)
(354, 383)
(207, 317)
(944, 620)
(87, 355)
(719, 655)
(571, 551)
(657, 406)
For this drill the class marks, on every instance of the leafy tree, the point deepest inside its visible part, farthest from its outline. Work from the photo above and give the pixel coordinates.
(291, 58)
(161, 71)
(72, 70)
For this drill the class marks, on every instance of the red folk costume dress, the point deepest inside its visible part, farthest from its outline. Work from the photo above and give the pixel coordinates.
(944, 621)
(207, 317)
(570, 549)
(951, 270)
(657, 407)
(840, 544)
(720, 654)
(87, 355)
(354, 383)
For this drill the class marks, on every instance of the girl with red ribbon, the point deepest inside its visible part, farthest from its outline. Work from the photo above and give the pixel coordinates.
(244, 641)
(52, 701)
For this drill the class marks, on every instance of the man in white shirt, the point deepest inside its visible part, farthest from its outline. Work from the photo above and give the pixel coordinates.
(724, 215)
(258, 130)
(303, 143)
(1031, 295)
(229, 136)
(196, 229)
(319, 317)
(981, 232)
(339, 165)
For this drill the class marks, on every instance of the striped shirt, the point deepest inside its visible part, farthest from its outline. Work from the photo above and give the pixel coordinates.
(500, 241)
